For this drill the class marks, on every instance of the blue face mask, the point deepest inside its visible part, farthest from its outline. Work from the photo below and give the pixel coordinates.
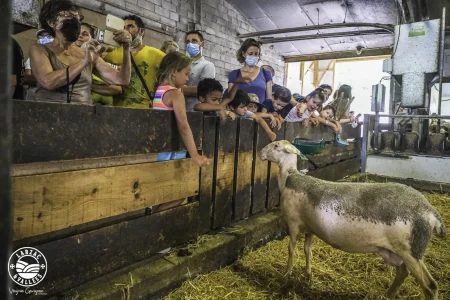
(45, 40)
(193, 49)
(251, 60)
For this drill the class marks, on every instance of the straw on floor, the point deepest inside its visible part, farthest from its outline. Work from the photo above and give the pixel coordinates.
(336, 275)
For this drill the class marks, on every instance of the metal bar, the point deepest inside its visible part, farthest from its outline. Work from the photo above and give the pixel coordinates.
(441, 65)
(5, 147)
(272, 40)
(365, 142)
(387, 27)
(339, 55)
(415, 116)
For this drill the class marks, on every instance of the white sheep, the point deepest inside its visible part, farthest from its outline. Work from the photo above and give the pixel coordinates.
(391, 219)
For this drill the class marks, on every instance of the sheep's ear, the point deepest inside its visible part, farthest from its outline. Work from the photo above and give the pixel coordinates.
(291, 149)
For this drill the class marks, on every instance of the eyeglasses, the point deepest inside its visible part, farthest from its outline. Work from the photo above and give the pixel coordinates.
(68, 15)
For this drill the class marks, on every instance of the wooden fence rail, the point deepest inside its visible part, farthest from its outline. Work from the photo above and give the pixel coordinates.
(83, 182)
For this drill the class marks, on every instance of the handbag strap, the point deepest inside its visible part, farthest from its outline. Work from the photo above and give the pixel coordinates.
(150, 95)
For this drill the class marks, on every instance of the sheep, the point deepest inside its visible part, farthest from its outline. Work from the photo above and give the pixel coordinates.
(391, 219)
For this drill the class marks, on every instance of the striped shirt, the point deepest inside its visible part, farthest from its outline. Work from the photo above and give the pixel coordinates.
(157, 101)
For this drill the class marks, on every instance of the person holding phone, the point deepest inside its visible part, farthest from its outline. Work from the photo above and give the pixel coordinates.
(146, 59)
(62, 69)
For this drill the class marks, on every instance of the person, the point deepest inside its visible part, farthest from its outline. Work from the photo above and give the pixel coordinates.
(249, 54)
(256, 107)
(147, 60)
(272, 71)
(342, 99)
(171, 76)
(101, 91)
(209, 92)
(281, 98)
(303, 111)
(326, 117)
(18, 70)
(201, 68)
(239, 107)
(62, 69)
(328, 90)
(42, 37)
(169, 46)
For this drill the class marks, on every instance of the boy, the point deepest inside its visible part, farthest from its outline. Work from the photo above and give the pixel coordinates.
(281, 98)
(209, 93)
(239, 107)
(255, 107)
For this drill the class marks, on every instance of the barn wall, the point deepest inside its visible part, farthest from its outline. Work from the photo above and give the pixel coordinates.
(171, 19)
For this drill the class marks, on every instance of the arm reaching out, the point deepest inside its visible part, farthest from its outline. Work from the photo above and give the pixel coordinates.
(271, 135)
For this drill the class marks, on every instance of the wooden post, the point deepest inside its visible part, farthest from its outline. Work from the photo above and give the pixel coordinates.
(243, 169)
(260, 169)
(223, 198)
(302, 74)
(207, 179)
(5, 148)
(316, 74)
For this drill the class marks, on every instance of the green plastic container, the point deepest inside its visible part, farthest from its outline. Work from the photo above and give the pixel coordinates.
(308, 146)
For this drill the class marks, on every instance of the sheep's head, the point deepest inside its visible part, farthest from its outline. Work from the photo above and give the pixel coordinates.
(276, 150)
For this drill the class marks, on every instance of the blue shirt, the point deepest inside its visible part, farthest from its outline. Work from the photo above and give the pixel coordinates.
(257, 86)
(268, 104)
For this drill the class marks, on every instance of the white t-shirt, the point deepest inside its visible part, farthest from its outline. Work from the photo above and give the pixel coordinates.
(293, 117)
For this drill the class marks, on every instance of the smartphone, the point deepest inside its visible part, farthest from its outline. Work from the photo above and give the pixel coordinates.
(113, 23)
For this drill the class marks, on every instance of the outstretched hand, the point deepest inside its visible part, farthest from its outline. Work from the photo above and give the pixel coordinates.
(122, 37)
(94, 51)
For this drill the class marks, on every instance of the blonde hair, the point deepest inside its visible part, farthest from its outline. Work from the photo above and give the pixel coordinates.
(166, 45)
(174, 61)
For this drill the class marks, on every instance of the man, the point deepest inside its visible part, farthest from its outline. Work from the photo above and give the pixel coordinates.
(201, 68)
(18, 69)
(147, 60)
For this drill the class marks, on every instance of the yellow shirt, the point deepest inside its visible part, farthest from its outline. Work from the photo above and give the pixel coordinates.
(147, 60)
(98, 98)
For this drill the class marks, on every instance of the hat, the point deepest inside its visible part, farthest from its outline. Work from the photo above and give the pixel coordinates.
(254, 99)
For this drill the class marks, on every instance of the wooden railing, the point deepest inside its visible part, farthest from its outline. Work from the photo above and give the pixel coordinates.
(84, 178)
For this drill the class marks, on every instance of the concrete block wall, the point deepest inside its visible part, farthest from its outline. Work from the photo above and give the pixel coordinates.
(219, 21)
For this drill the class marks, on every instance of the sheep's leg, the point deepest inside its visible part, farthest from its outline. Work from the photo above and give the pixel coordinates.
(423, 277)
(402, 273)
(307, 249)
(294, 232)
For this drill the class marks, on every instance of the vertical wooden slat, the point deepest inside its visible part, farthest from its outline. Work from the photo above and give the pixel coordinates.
(223, 199)
(260, 168)
(243, 169)
(273, 193)
(207, 173)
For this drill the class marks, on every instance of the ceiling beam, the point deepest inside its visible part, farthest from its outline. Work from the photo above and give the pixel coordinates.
(387, 27)
(339, 55)
(272, 40)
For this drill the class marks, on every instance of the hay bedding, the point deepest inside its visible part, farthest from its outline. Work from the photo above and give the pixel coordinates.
(336, 275)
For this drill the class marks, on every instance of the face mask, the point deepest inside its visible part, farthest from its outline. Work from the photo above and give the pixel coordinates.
(193, 49)
(251, 60)
(45, 40)
(136, 41)
(84, 46)
(71, 29)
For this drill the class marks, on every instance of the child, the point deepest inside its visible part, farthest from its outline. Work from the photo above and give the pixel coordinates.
(342, 99)
(171, 76)
(209, 93)
(326, 117)
(239, 107)
(302, 111)
(254, 106)
(281, 98)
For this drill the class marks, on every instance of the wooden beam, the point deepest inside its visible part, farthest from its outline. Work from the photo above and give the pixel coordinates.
(316, 74)
(302, 74)
(260, 171)
(45, 131)
(50, 202)
(273, 193)
(325, 71)
(83, 257)
(368, 58)
(339, 55)
(334, 74)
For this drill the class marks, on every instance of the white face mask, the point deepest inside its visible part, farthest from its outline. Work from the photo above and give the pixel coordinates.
(84, 46)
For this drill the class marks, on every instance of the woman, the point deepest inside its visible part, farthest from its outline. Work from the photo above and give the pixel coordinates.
(169, 46)
(249, 54)
(62, 69)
